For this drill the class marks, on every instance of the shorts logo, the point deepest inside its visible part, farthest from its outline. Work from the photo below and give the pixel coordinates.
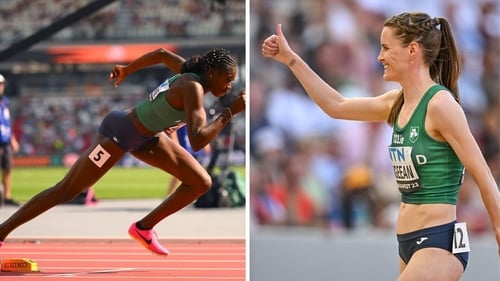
(413, 134)
(421, 240)
(99, 156)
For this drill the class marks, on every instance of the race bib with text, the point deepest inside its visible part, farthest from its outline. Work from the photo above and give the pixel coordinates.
(404, 169)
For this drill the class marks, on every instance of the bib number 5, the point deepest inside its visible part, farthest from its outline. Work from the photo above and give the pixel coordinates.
(99, 156)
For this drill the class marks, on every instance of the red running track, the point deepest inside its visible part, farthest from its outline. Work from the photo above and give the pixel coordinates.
(127, 260)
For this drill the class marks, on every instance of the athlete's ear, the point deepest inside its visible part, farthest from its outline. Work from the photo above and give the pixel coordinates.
(412, 48)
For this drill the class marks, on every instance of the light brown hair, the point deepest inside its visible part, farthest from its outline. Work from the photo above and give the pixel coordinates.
(439, 50)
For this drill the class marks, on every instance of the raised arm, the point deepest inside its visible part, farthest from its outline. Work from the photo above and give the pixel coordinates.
(327, 98)
(168, 58)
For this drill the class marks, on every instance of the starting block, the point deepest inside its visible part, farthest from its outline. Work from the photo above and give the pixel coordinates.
(18, 265)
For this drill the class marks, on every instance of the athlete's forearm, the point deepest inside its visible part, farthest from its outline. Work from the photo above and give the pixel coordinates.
(491, 199)
(170, 59)
(204, 135)
(320, 92)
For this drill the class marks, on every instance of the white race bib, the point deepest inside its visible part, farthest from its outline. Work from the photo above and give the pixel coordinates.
(460, 239)
(405, 172)
(99, 156)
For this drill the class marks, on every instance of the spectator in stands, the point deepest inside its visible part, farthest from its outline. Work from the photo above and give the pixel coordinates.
(290, 192)
(176, 102)
(357, 185)
(8, 146)
(264, 208)
(418, 52)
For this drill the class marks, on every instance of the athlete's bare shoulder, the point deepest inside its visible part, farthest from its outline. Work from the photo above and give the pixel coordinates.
(391, 94)
(188, 76)
(389, 97)
(186, 87)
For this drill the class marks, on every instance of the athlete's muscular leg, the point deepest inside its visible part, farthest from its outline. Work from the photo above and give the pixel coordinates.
(83, 174)
(431, 264)
(402, 266)
(175, 160)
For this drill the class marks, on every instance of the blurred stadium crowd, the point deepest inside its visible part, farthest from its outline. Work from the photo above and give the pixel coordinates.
(57, 108)
(126, 19)
(310, 170)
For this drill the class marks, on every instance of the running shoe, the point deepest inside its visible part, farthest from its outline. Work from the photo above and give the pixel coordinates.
(148, 238)
(11, 202)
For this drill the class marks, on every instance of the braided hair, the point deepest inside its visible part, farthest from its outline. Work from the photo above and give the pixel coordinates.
(218, 59)
(440, 53)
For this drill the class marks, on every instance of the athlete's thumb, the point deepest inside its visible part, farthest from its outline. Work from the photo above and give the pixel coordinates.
(279, 32)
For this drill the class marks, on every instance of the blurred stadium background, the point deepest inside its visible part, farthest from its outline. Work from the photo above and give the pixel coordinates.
(343, 227)
(56, 56)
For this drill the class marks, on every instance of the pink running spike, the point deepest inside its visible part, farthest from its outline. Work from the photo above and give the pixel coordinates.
(148, 238)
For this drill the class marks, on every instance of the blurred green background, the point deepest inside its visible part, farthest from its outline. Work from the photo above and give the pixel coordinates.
(118, 183)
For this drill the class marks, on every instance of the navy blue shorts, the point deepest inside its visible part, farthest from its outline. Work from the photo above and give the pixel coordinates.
(440, 236)
(118, 127)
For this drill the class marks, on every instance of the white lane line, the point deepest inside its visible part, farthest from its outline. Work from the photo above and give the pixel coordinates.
(65, 253)
(93, 269)
(143, 277)
(90, 272)
(115, 260)
(94, 274)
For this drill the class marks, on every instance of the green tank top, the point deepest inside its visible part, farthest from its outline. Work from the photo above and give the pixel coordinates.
(427, 171)
(156, 114)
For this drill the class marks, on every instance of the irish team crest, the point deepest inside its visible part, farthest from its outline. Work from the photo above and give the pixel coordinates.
(414, 134)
